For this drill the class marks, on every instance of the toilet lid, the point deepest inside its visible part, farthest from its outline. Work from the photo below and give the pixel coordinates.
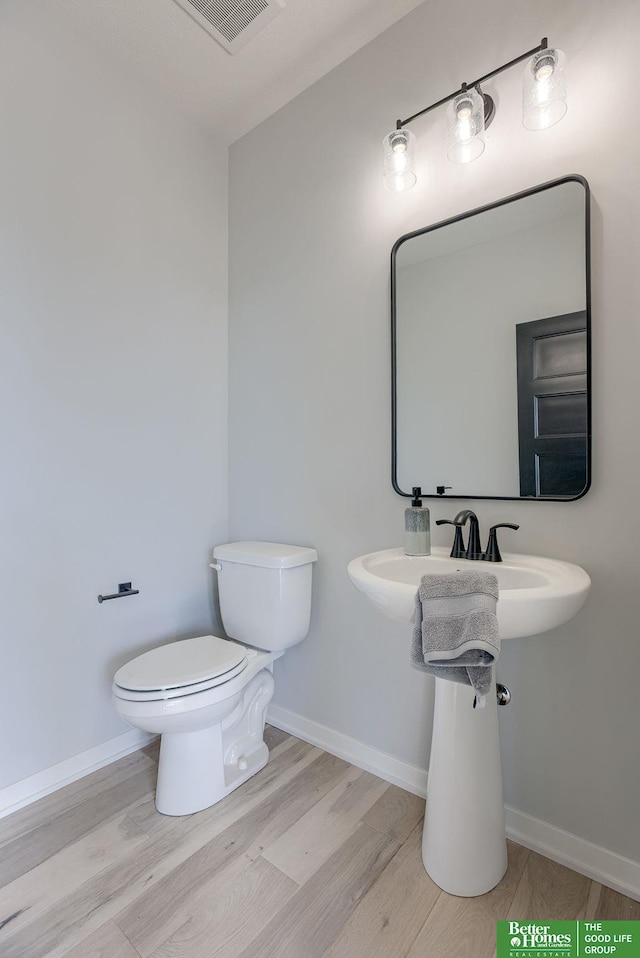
(179, 664)
(163, 695)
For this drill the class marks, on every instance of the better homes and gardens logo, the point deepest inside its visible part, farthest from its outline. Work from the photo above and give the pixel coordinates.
(568, 939)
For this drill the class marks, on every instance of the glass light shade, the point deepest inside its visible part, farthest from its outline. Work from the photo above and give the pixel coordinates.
(398, 160)
(544, 90)
(465, 127)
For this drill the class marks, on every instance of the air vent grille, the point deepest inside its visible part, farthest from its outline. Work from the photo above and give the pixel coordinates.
(230, 18)
(233, 22)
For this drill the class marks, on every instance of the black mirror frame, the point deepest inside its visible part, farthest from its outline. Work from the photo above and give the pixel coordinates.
(569, 178)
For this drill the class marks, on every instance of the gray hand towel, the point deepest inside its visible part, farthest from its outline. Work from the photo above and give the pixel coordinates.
(455, 635)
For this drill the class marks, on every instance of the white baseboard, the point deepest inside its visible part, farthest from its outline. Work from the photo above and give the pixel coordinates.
(391, 769)
(594, 861)
(608, 868)
(57, 776)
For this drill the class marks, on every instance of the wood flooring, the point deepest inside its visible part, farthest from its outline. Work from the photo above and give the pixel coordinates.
(311, 858)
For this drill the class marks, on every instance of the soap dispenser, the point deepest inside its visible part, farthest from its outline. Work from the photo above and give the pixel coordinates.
(417, 529)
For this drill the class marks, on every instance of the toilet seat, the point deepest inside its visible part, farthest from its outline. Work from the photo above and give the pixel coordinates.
(180, 668)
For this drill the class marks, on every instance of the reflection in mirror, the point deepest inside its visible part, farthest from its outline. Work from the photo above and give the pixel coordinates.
(491, 348)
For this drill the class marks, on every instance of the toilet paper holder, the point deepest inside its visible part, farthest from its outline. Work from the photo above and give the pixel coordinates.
(124, 588)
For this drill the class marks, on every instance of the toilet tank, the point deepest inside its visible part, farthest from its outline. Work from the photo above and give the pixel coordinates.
(265, 592)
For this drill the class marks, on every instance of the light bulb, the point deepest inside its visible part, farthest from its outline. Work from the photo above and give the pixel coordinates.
(544, 72)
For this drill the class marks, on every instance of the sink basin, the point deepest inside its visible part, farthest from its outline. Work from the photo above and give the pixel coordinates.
(535, 594)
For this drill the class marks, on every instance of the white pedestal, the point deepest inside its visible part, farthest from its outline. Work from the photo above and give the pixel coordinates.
(464, 847)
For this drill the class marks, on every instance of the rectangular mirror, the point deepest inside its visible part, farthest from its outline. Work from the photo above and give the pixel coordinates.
(491, 345)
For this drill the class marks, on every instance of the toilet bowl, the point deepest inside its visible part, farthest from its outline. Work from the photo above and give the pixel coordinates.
(207, 696)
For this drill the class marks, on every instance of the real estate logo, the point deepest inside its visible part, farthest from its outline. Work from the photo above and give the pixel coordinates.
(568, 939)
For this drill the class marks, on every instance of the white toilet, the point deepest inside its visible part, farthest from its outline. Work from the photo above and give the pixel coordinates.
(208, 696)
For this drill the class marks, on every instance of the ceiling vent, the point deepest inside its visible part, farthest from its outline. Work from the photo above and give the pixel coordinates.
(233, 22)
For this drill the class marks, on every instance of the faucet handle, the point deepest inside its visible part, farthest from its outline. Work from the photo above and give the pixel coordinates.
(457, 549)
(493, 552)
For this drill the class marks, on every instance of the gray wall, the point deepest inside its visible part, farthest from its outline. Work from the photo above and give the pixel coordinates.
(310, 235)
(113, 352)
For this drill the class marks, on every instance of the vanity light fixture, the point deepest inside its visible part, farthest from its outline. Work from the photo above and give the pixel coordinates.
(470, 111)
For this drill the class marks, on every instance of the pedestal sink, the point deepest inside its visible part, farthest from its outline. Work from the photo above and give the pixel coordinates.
(464, 845)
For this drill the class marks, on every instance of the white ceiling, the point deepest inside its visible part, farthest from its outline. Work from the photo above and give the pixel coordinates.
(232, 94)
